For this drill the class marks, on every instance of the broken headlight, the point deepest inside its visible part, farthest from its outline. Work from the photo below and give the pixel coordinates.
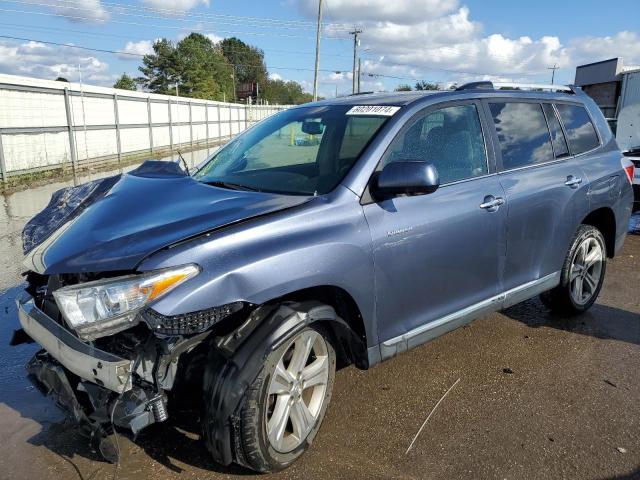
(104, 307)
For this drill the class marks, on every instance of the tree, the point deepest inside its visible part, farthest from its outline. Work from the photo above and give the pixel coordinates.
(403, 88)
(195, 65)
(285, 93)
(125, 82)
(247, 61)
(62, 79)
(422, 85)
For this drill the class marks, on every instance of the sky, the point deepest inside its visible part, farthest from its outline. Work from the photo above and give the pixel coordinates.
(402, 41)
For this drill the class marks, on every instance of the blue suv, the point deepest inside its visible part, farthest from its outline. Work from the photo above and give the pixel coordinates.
(334, 233)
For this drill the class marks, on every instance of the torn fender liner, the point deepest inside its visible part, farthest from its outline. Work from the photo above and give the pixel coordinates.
(229, 373)
(64, 205)
(119, 223)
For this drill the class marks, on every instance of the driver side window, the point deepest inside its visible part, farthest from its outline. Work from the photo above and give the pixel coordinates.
(450, 138)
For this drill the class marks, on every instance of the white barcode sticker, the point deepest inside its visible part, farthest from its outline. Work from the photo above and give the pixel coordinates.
(384, 110)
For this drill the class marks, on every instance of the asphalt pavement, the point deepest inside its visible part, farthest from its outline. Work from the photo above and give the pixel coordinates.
(539, 396)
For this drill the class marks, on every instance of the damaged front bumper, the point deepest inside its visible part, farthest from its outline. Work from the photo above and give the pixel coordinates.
(95, 387)
(85, 361)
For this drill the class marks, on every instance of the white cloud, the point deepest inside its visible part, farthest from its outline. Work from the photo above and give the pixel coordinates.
(431, 39)
(623, 44)
(38, 60)
(174, 7)
(213, 37)
(275, 76)
(80, 11)
(143, 47)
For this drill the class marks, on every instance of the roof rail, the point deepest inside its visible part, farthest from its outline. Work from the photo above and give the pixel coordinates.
(485, 85)
(360, 93)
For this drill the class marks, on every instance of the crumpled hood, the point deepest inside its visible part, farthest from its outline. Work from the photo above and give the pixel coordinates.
(139, 214)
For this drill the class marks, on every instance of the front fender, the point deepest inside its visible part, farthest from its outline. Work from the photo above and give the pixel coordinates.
(323, 243)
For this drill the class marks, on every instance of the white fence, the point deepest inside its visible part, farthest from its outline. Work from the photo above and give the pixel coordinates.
(48, 125)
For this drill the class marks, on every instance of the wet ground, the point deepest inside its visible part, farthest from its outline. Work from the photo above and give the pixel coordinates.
(539, 396)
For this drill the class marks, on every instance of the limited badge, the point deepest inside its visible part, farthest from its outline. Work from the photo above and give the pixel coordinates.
(384, 110)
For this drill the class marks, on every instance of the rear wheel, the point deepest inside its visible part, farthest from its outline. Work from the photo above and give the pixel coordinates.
(285, 405)
(582, 274)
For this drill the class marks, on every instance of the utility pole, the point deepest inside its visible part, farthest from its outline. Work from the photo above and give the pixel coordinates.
(359, 71)
(318, 31)
(355, 34)
(553, 72)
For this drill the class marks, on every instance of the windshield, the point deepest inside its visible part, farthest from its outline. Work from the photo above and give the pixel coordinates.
(301, 151)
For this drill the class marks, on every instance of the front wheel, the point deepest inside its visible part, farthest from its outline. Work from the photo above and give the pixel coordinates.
(285, 405)
(582, 274)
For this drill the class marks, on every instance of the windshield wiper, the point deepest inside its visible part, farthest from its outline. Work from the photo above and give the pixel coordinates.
(231, 186)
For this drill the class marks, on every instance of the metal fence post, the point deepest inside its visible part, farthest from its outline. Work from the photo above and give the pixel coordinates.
(190, 126)
(117, 119)
(219, 122)
(170, 125)
(72, 143)
(150, 124)
(3, 166)
(206, 120)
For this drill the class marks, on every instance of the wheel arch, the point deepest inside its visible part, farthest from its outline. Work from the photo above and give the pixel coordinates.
(604, 219)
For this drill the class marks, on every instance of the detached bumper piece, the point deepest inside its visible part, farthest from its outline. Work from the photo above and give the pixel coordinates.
(93, 386)
(92, 406)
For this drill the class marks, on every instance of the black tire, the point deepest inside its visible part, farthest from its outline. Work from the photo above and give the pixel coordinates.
(250, 441)
(560, 299)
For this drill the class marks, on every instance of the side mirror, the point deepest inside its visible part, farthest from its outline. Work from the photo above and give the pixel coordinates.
(406, 178)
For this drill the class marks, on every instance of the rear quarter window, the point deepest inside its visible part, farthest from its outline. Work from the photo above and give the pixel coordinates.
(581, 133)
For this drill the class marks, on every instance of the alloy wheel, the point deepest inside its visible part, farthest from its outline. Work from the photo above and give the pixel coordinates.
(297, 391)
(586, 270)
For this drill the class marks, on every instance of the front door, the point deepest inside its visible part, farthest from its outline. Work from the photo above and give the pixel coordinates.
(440, 253)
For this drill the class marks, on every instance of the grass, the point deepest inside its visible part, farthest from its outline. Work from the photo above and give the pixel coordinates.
(64, 172)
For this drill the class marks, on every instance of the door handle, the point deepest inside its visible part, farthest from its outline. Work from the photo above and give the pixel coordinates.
(573, 181)
(492, 203)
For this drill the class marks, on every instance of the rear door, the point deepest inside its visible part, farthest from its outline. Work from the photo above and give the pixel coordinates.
(545, 188)
(439, 253)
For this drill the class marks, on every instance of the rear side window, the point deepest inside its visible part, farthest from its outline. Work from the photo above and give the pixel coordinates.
(522, 133)
(560, 148)
(450, 138)
(581, 132)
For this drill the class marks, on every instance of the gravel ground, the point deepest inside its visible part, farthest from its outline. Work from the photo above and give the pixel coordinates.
(539, 396)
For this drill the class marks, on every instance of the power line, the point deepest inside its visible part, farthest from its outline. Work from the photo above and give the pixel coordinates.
(125, 10)
(18, 26)
(173, 27)
(181, 13)
(116, 52)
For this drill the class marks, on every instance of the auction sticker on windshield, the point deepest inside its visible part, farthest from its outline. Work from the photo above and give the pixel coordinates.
(384, 110)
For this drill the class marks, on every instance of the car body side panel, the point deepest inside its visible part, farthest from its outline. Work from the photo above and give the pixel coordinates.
(543, 215)
(608, 184)
(325, 242)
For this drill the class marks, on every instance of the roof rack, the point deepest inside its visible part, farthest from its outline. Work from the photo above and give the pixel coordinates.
(360, 93)
(486, 85)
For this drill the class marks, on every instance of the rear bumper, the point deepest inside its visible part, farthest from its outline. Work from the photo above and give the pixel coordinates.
(85, 361)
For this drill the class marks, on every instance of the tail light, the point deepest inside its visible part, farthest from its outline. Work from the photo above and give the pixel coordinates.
(628, 168)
